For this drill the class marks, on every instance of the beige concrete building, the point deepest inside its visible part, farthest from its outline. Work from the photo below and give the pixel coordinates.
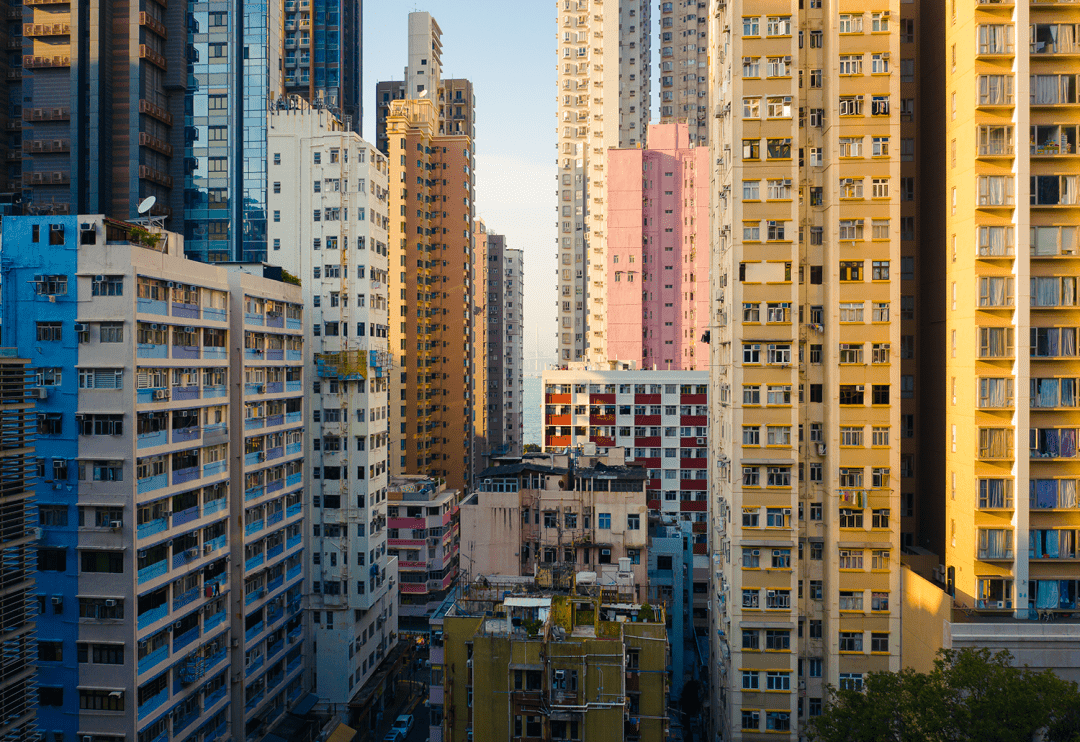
(804, 336)
(552, 515)
(604, 69)
(684, 66)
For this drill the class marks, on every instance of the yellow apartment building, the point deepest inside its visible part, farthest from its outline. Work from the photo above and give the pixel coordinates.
(805, 368)
(1013, 313)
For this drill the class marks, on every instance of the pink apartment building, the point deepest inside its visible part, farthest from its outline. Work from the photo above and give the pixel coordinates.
(658, 251)
(424, 533)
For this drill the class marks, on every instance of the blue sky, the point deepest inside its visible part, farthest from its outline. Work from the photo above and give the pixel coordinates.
(507, 49)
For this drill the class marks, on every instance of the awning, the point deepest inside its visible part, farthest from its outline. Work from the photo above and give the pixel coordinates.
(305, 704)
(342, 734)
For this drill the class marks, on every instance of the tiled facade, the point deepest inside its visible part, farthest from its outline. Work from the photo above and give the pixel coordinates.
(170, 565)
(431, 328)
(659, 418)
(1011, 316)
(604, 67)
(805, 341)
(658, 257)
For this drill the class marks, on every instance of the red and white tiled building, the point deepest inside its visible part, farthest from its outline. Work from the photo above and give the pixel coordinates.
(658, 418)
(424, 533)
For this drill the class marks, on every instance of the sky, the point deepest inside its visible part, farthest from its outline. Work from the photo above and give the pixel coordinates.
(507, 50)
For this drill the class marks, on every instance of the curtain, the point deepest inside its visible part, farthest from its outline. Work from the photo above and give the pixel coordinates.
(1047, 595)
(1066, 42)
(1068, 443)
(1067, 544)
(1051, 440)
(1067, 497)
(997, 285)
(1068, 393)
(1068, 189)
(1045, 242)
(1046, 493)
(1045, 88)
(1068, 341)
(1045, 392)
(1044, 291)
(1052, 550)
(996, 240)
(1067, 590)
(1035, 545)
(995, 493)
(1068, 291)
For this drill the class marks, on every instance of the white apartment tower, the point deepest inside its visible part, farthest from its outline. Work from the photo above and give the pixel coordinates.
(424, 71)
(329, 228)
(604, 68)
(684, 66)
(805, 350)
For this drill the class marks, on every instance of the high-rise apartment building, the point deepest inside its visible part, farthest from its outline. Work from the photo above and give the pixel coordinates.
(1010, 517)
(500, 292)
(431, 283)
(18, 555)
(170, 406)
(657, 244)
(100, 109)
(322, 54)
(423, 79)
(604, 67)
(579, 663)
(804, 336)
(684, 66)
(329, 199)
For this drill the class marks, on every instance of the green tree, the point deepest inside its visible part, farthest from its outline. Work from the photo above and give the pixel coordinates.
(970, 696)
(532, 448)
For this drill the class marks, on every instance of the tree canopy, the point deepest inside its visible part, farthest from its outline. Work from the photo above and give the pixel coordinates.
(970, 696)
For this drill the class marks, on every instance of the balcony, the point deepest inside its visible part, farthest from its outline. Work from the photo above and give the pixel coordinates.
(152, 659)
(40, 30)
(155, 111)
(145, 19)
(152, 56)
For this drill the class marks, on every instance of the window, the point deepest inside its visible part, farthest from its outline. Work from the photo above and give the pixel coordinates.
(851, 64)
(750, 719)
(996, 190)
(102, 561)
(879, 642)
(603, 521)
(751, 190)
(777, 680)
(750, 680)
(851, 23)
(851, 270)
(751, 26)
(851, 559)
(633, 522)
(751, 66)
(778, 25)
(751, 558)
(751, 639)
(778, 640)
(851, 641)
(851, 105)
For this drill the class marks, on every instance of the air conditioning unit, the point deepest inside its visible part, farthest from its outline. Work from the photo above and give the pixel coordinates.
(82, 327)
(58, 600)
(1001, 604)
(886, 55)
(40, 392)
(86, 227)
(110, 603)
(207, 548)
(193, 552)
(87, 738)
(189, 329)
(701, 441)
(142, 553)
(155, 326)
(170, 284)
(560, 674)
(56, 227)
(821, 449)
(117, 524)
(161, 394)
(756, 552)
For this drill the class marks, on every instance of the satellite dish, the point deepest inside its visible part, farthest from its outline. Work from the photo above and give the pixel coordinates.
(147, 204)
(423, 93)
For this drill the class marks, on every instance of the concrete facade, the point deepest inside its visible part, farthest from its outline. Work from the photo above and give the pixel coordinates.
(548, 516)
(424, 535)
(684, 66)
(658, 260)
(329, 200)
(166, 388)
(542, 665)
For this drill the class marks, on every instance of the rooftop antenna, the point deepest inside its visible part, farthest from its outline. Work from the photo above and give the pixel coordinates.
(146, 219)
